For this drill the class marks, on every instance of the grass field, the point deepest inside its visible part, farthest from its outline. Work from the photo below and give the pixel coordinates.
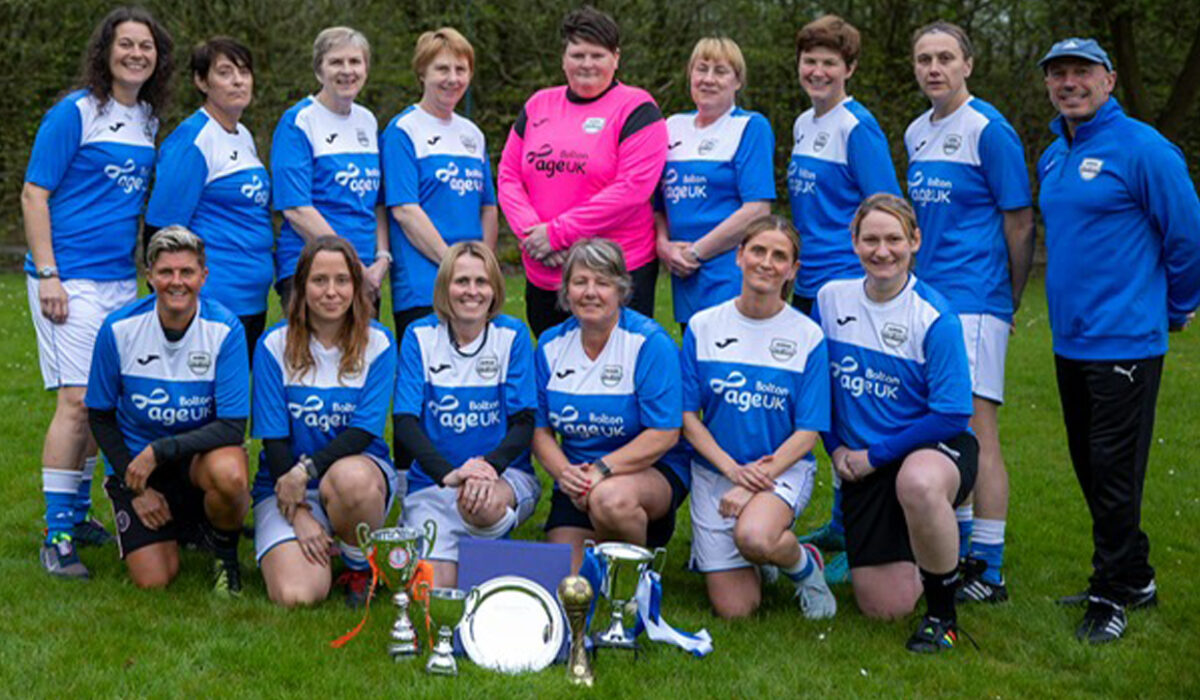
(104, 638)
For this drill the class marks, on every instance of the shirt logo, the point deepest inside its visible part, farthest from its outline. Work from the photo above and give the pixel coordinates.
(452, 414)
(116, 127)
(611, 375)
(487, 367)
(706, 146)
(722, 344)
(471, 180)
(782, 350)
(1090, 168)
(363, 140)
(256, 191)
(821, 142)
(233, 156)
(845, 320)
(143, 361)
(199, 362)
(674, 145)
(564, 374)
(593, 125)
(188, 409)
(156, 398)
(439, 369)
(893, 334)
(329, 139)
(311, 413)
(873, 383)
(671, 176)
(358, 181)
(468, 142)
(125, 177)
(952, 143)
(541, 121)
(433, 140)
(569, 162)
(765, 395)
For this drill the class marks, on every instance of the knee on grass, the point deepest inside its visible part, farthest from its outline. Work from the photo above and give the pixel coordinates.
(292, 594)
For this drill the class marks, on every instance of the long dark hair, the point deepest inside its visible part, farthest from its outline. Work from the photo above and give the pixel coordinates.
(96, 75)
(352, 336)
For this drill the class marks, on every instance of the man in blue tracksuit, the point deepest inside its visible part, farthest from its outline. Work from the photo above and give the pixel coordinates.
(1123, 268)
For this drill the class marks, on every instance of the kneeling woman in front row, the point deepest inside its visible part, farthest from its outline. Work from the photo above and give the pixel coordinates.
(322, 385)
(755, 394)
(899, 440)
(465, 399)
(608, 386)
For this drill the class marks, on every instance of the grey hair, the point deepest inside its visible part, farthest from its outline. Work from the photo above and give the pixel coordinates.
(174, 239)
(598, 255)
(331, 38)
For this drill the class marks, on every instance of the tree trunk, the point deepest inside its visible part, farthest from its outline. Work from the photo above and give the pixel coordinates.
(1129, 74)
(1183, 92)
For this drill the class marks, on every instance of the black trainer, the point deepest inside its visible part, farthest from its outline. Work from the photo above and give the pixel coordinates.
(1146, 597)
(976, 590)
(933, 635)
(227, 578)
(1103, 622)
(90, 533)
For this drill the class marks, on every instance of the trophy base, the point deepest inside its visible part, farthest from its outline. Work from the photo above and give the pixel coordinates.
(439, 665)
(609, 640)
(402, 650)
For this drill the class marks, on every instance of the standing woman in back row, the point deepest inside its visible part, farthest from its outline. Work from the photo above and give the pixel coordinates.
(582, 161)
(719, 177)
(839, 158)
(84, 188)
(977, 251)
(210, 180)
(325, 165)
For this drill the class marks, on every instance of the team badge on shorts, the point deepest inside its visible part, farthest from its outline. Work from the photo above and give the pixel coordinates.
(611, 375)
(122, 521)
(1089, 168)
(593, 125)
(199, 362)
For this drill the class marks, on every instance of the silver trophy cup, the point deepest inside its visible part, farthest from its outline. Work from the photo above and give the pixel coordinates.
(447, 606)
(624, 565)
(396, 551)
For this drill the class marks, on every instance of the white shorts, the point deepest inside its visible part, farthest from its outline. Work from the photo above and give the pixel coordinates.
(271, 529)
(713, 548)
(65, 349)
(440, 504)
(986, 338)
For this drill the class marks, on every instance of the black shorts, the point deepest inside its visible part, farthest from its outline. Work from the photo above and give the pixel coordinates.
(185, 499)
(563, 512)
(876, 532)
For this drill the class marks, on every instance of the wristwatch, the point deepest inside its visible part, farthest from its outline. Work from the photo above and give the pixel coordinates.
(310, 467)
(604, 469)
(47, 272)
(386, 255)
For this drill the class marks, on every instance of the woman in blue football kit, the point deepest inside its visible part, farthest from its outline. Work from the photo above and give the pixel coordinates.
(437, 176)
(755, 394)
(969, 185)
(608, 386)
(899, 438)
(719, 177)
(325, 171)
(465, 402)
(322, 385)
(167, 400)
(209, 178)
(84, 189)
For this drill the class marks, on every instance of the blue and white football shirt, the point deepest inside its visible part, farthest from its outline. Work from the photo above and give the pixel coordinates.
(597, 406)
(95, 161)
(755, 381)
(328, 161)
(838, 160)
(710, 173)
(312, 409)
(964, 172)
(444, 167)
(892, 363)
(212, 182)
(160, 388)
(464, 396)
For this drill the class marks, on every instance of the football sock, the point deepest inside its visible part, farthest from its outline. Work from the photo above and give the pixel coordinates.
(59, 486)
(939, 593)
(802, 569)
(966, 523)
(352, 557)
(988, 545)
(225, 542)
(835, 514)
(83, 497)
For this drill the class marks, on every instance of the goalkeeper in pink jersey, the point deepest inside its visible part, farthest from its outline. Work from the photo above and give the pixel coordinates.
(583, 160)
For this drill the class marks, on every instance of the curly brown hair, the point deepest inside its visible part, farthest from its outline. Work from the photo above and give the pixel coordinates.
(96, 74)
(352, 336)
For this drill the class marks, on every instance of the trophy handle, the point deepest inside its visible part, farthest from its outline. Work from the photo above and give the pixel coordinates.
(660, 560)
(470, 603)
(363, 531)
(430, 528)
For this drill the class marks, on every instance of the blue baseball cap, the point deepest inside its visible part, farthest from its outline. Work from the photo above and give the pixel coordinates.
(1075, 47)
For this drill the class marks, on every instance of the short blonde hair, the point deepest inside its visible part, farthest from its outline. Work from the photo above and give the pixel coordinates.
(331, 38)
(445, 275)
(174, 239)
(598, 255)
(720, 48)
(430, 44)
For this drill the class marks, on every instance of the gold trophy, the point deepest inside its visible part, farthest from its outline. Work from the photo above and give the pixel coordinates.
(575, 594)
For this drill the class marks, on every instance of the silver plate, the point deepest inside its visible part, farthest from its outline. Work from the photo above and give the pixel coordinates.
(515, 626)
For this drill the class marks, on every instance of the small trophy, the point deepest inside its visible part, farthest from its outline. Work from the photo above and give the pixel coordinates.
(624, 565)
(575, 594)
(447, 606)
(397, 550)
